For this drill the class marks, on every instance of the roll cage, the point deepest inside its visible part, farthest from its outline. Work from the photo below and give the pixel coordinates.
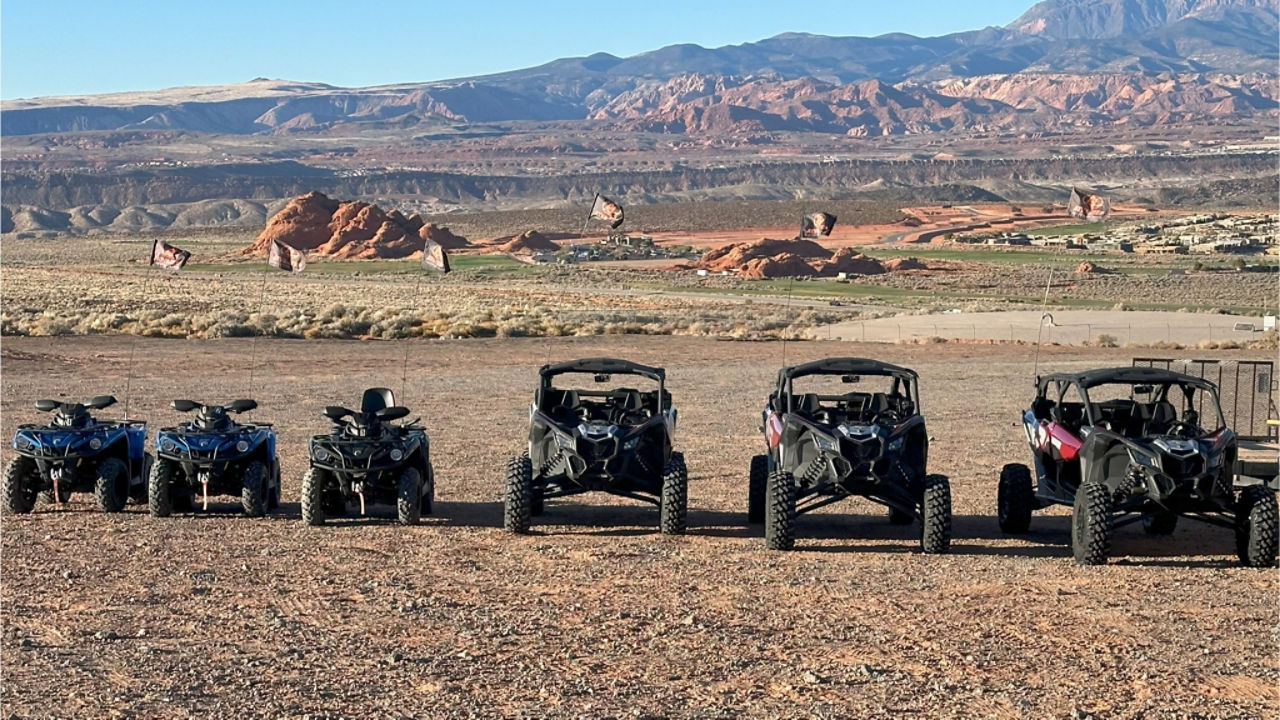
(903, 397)
(620, 405)
(1128, 418)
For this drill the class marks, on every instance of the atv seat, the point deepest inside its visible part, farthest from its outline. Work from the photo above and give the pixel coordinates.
(375, 399)
(211, 419)
(71, 416)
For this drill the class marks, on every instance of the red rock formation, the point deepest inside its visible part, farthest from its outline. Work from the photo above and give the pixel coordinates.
(783, 265)
(349, 230)
(907, 263)
(525, 242)
(737, 255)
(852, 262)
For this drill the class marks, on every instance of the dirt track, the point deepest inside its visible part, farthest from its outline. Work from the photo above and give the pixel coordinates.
(595, 615)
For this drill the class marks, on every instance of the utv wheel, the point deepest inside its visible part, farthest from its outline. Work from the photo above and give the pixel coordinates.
(897, 517)
(1015, 499)
(780, 512)
(1257, 527)
(1091, 524)
(757, 487)
(160, 488)
(313, 492)
(409, 497)
(517, 499)
(1160, 522)
(253, 489)
(673, 513)
(935, 515)
(111, 486)
(426, 505)
(20, 483)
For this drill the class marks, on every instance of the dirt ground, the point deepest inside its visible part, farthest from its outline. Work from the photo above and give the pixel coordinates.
(595, 614)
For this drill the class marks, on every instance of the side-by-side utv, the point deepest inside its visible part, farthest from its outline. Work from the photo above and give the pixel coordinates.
(825, 442)
(1134, 444)
(77, 452)
(615, 439)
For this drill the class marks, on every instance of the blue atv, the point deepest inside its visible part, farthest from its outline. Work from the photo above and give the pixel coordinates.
(76, 452)
(365, 458)
(212, 454)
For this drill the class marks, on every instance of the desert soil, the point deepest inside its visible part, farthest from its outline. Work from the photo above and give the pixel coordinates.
(595, 614)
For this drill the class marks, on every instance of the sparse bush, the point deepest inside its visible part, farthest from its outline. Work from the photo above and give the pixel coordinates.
(1103, 340)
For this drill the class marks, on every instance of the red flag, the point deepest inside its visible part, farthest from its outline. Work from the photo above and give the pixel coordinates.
(286, 257)
(605, 209)
(168, 256)
(434, 257)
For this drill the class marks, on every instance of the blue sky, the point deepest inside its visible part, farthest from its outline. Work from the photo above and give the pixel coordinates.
(57, 47)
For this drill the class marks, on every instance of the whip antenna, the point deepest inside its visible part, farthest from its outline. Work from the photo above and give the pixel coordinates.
(404, 366)
(128, 381)
(253, 344)
(1043, 315)
(790, 281)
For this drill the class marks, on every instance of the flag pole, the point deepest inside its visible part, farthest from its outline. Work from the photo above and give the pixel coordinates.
(404, 365)
(1043, 314)
(790, 282)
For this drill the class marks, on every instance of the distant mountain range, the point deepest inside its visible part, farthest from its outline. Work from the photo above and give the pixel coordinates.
(1064, 63)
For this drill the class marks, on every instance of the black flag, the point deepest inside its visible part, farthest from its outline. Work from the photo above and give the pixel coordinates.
(1087, 206)
(168, 256)
(605, 209)
(817, 225)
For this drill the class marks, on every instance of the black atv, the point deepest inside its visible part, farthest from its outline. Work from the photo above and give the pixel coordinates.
(77, 452)
(365, 458)
(1129, 444)
(614, 440)
(211, 453)
(830, 443)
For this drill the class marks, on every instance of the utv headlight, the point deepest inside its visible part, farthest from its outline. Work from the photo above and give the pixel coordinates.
(397, 454)
(564, 441)
(631, 444)
(896, 445)
(242, 446)
(95, 443)
(321, 455)
(824, 443)
(1144, 459)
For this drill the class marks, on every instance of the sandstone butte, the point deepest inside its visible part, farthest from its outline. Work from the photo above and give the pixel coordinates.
(529, 241)
(350, 230)
(768, 258)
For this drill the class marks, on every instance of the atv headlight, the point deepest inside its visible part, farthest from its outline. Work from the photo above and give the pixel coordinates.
(563, 441)
(397, 454)
(242, 446)
(321, 455)
(95, 443)
(168, 446)
(824, 443)
(24, 443)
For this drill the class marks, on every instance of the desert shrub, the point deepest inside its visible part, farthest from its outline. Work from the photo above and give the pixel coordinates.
(1103, 340)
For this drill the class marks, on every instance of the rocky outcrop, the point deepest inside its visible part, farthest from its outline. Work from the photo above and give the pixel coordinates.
(526, 242)
(737, 255)
(349, 230)
(782, 265)
(850, 262)
(903, 264)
